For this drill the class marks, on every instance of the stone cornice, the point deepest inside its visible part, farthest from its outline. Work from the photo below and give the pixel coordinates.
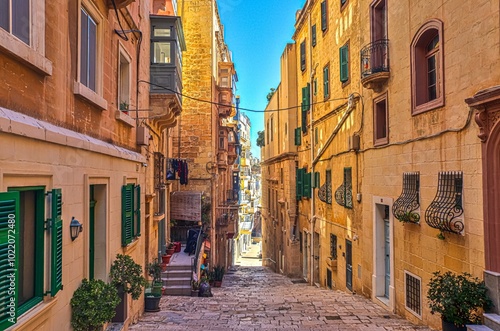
(280, 157)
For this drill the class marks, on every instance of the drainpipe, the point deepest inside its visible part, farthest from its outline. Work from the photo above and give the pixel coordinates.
(311, 108)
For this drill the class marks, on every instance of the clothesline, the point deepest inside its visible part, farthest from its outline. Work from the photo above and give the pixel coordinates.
(177, 167)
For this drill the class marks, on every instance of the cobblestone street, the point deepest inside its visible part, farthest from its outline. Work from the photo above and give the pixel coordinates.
(254, 298)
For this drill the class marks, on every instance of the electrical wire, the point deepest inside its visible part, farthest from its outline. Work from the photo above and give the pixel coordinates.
(240, 108)
(121, 33)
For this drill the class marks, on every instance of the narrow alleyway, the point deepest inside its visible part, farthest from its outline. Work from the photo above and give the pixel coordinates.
(255, 298)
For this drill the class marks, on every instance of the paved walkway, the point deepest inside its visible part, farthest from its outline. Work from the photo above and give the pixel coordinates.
(255, 298)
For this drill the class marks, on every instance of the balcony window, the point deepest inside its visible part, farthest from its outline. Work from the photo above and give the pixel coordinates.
(380, 121)
(427, 68)
(162, 52)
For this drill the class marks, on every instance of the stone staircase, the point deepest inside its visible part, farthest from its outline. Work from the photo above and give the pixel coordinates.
(491, 322)
(177, 280)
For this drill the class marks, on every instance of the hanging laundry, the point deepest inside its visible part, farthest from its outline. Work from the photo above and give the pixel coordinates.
(170, 170)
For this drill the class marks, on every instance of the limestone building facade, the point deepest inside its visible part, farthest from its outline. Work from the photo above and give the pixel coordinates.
(83, 134)
(390, 182)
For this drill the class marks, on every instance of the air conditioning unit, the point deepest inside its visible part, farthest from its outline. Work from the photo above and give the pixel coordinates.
(142, 136)
(354, 143)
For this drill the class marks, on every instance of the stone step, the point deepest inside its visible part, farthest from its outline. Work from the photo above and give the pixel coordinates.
(492, 321)
(176, 274)
(478, 328)
(178, 290)
(176, 281)
(179, 267)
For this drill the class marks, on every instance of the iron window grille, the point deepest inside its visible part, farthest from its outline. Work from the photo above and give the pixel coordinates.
(333, 246)
(159, 171)
(343, 194)
(413, 294)
(445, 210)
(405, 208)
(325, 191)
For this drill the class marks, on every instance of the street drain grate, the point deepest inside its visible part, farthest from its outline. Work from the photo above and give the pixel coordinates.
(332, 318)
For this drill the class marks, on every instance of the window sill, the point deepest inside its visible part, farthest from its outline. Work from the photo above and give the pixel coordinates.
(431, 105)
(87, 94)
(35, 316)
(25, 53)
(381, 142)
(121, 116)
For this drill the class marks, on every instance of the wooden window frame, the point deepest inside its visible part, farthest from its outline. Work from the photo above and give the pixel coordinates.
(419, 84)
(377, 141)
(33, 54)
(303, 56)
(95, 97)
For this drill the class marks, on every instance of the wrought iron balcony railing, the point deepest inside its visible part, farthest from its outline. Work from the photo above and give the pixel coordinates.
(375, 62)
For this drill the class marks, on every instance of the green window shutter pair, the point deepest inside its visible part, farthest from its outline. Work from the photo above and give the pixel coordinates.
(326, 81)
(303, 184)
(298, 137)
(56, 242)
(306, 97)
(131, 213)
(324, 20)
(9, 252)
(9, 259)
(298, 183)
(344, 63)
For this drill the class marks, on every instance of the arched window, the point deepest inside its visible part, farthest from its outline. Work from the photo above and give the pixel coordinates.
(427, 68)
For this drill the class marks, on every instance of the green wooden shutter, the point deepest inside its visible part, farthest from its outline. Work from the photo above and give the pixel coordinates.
(137, 211)
(298, 183)
(298, 137)
(303, 56)
(127, 214)
(324, 22)
(306, 182)
(56, 243)
(344, 63)
(326, 81)
(313, 33)
(316, 180)
(9, 250)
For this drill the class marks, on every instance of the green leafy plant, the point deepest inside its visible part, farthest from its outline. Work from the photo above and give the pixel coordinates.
(408, 217)
(154, 270)
(128, 274)
(124, 106)
(459, 299)
(261, 142)
(93, 304)
(195, 285)
(218, 273)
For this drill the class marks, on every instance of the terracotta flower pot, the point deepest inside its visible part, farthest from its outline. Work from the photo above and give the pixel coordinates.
(166, 258)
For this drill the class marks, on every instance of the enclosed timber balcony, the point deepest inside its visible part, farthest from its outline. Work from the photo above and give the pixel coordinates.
(375, 64)
(167, 44)
(225, 89)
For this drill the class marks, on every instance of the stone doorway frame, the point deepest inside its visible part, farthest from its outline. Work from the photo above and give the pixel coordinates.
(487, 104)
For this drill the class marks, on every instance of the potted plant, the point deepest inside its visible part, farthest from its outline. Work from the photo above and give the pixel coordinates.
(153, 291)
(93, 304)
(171, 249)
(218, 275)
(195, 288)
(126, 275)
(460, 299)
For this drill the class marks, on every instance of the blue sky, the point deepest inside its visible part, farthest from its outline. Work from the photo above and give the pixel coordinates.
(257, 31)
